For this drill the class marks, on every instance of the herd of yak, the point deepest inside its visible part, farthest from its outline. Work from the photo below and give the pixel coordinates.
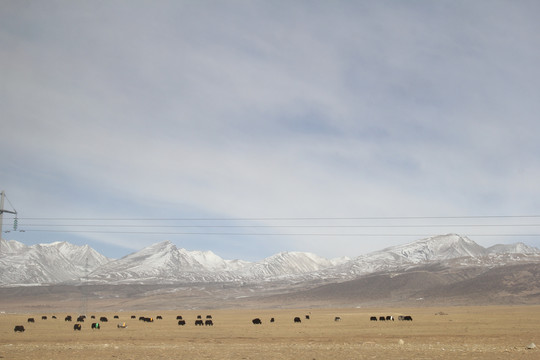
(181, 322)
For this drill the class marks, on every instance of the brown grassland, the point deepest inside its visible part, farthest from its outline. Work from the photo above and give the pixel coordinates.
(490, 332)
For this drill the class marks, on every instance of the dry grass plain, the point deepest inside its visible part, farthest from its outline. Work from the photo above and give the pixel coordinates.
(491, 332)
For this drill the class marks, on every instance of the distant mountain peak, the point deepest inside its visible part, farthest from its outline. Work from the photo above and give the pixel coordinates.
(161, 246)
(46, 263)
(164, 262)
(440, 247)
(517, 248)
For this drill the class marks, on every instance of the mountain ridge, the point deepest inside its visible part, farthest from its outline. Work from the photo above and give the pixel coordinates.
(46, 263)
(164, 262)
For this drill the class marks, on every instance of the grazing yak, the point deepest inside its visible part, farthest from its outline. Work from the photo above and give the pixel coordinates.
(181, 322)
(159, 317)
(337, 318)
(272, 320)
(67, 318)
(256, 321)
(116, 317)
(77, 327)
(43, 317)
(30, 320)
(133, 317)
(405, 318)
(373, 318)
(208, 322)
(18, 328)
(96, 326)
(297, 320)
(103, 319)
(199, 322)
(81, 318)
(179, 317)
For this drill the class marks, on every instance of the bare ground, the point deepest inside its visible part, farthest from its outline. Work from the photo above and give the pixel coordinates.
(481, 332)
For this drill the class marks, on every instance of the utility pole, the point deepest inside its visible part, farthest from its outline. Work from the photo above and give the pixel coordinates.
(2, 211)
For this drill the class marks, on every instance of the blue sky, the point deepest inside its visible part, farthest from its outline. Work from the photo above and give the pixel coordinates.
(254, 109)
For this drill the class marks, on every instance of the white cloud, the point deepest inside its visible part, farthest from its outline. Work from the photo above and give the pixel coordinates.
(270, 109)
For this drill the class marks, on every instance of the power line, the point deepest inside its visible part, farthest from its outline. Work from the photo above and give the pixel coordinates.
(279, 226)
(285, 218)
(254, 234)
(159, 226)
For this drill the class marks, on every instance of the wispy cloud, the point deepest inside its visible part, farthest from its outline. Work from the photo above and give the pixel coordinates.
(234, 109)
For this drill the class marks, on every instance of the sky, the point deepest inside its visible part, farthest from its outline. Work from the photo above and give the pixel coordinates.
(253, 127)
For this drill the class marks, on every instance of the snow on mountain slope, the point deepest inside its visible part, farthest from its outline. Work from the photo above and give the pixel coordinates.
(436, 248)
(11, 247)
(165, 263)
(287, 264)
(517, 248)
(441, 247)
(160, 260)
(213, 262)
(79, 255)
(46, 263)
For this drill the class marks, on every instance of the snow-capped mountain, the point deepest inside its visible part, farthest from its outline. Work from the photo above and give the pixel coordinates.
(441, 248)
(287, 264)
(11, 247)
(46, 263)
(165, 263)
(517, 248)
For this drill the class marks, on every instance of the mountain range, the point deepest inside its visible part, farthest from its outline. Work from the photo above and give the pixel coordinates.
(46, 263)
(164, 263)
